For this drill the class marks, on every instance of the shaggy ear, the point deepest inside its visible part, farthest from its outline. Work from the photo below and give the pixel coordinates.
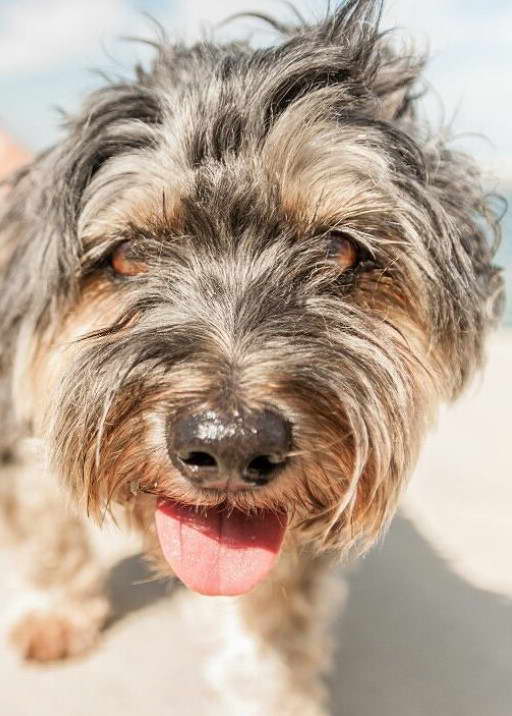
(386, 73)
(16, 205)
(39, 217)
(394, 84)
(475, 217)
(24, 236)
(347, 60)
(467, 233)
(14, 277)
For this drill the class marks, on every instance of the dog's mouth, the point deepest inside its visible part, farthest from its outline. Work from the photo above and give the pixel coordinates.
(217, 550)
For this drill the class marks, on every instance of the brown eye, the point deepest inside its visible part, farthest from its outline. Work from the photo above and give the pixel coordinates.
(342, 249)
(123, 264)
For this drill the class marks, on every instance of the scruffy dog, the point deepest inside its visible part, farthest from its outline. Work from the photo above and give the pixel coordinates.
(232, 300)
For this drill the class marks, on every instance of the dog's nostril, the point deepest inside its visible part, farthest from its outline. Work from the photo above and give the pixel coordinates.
(264, 465)
(198, 459)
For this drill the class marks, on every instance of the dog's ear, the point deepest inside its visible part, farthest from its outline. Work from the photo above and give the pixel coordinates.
(384, 72)
(468, 237)
(31, 219)
(39, 213)
(17, 204)
(347, 57)
(16, 192)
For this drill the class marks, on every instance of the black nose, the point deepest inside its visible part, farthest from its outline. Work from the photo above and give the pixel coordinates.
(229, 450)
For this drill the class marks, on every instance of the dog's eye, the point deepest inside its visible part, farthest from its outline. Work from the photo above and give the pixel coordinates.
(125, 264)
(342, 249)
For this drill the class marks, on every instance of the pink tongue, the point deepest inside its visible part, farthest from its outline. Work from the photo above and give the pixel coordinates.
(216, 552)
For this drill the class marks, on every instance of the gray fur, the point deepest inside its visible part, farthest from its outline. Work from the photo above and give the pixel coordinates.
(240, 297)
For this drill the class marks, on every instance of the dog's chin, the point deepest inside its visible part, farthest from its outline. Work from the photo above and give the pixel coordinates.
(218, 550)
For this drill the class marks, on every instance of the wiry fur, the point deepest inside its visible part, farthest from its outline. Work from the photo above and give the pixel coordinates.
(226, 168)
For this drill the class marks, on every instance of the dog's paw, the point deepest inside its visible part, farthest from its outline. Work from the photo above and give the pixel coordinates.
(43, 636)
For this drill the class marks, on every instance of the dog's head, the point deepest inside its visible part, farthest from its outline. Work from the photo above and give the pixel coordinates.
(240, 287)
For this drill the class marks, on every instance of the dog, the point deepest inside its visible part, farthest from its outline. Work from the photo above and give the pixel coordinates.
(232, 300)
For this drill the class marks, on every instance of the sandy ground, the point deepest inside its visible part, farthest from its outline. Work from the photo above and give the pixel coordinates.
(428, 625)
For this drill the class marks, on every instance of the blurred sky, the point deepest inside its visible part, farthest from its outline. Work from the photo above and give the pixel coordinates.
(47, 48)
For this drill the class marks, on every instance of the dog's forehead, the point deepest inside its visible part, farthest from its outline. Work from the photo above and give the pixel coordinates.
(303, 174)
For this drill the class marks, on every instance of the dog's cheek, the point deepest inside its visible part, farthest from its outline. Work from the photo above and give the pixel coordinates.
(367, 506)
(40, 363)
(44, 359)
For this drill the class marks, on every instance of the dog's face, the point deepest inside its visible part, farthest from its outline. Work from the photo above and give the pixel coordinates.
(245, 284)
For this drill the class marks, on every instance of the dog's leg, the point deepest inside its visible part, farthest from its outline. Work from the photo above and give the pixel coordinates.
(276, 643)
(58, 607)
(290, 616)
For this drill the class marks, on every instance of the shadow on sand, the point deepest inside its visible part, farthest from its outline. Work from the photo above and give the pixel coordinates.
(131, 586)
(417, 640)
